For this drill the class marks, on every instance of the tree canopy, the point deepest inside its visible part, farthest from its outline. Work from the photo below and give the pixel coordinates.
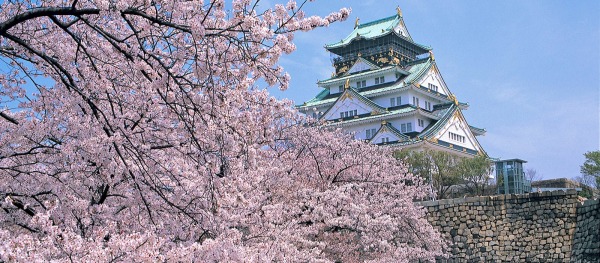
(591, 166)
(445, 171)
(154, 142)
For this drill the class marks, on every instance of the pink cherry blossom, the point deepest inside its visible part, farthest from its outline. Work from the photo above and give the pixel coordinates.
(136, 131)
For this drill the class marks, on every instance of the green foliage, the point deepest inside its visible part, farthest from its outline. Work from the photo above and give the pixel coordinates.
(591, 166)
(475, 173)
(436, 167)
(444, 170)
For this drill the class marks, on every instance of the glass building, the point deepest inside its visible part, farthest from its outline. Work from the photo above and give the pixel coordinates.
(510, 177)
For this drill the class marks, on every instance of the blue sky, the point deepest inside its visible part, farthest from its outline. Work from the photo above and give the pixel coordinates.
(530, 70)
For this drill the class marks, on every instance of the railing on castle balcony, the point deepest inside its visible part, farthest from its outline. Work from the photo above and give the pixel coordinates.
(367, 52)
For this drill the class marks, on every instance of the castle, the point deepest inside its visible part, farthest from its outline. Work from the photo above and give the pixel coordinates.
(388, 90)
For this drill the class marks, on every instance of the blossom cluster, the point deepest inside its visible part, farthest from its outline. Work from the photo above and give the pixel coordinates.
(153, 142)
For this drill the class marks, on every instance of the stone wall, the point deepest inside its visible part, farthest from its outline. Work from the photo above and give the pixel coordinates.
(586, 242)
(536, 227)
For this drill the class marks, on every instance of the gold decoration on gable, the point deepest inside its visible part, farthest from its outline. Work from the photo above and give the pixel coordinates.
(343, 69)
(395, 61)
(453, 98)
(346, 96)
(399, 11)
(383, 60)
(347, 84)
(356, 24)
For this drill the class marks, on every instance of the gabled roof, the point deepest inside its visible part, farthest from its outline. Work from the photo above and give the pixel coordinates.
(352, 93)
(446, 115)
(361, 62)
(386, 126)
(418, 68)
(376, 29)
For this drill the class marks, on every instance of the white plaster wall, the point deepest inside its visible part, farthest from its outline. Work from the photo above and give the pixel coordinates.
(334, 89)
(456, 126)
(360, 130)
(426, 122)
(384, 101)
(417, 95)
(397, 122)
(434, 78)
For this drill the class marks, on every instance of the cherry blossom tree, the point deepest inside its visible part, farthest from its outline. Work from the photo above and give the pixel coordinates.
(153, 142)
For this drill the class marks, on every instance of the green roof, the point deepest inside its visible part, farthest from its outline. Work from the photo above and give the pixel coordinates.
(416, 71)
(433, 129)
(388, 113)
(477, 131)
(374, 29)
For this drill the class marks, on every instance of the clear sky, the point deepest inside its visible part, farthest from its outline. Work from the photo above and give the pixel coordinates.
(530, 70)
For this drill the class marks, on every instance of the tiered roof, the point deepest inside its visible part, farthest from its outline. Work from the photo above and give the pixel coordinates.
(376, 29)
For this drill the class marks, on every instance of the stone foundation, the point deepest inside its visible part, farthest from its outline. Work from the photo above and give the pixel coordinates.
(536, 227)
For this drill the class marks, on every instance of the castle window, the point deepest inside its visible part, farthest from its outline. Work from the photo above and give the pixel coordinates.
(427, 105)
(379, 80)
(432, 87)
(346, 114)
(392, 102)
(456, 137)
(361, 84)
(406, 127)
(370, 133)
(385, 139)
(421, 123)
(416, 101)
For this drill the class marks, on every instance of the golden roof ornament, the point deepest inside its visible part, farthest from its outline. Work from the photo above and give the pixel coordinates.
(399, 11)
(454, 99)
(431, 55)
(383, 123)
(356, 23)
(347, 85)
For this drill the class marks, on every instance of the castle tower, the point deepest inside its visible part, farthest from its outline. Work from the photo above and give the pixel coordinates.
(388, 90)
